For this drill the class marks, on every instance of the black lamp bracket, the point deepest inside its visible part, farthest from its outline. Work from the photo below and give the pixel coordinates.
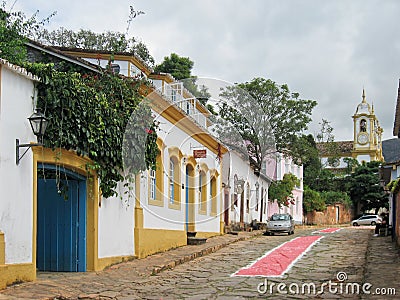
(27, 146)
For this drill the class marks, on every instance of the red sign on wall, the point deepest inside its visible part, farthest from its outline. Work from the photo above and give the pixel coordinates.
(200, 153)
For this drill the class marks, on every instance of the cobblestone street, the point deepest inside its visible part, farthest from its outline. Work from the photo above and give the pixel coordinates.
(345, 258)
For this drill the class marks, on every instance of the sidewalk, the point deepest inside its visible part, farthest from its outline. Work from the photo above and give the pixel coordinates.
(101, 285)
(383, 267)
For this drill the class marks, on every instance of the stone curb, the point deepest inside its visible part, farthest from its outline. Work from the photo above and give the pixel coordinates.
(200, 253)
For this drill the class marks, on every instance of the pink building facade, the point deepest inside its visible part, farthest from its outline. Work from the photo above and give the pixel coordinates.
(285, 165)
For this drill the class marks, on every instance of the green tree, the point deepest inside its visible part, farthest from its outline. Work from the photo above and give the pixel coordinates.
(351, 164)
(329, 147)
(89, 40)
(312, 200)
(365, 187)
(333, 197)
(15, 27)
(325, 181)
(181, 69)
(281, 190)
(267, 116)
(308, 155)
(106, 41)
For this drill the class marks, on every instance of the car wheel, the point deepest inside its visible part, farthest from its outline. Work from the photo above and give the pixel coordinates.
(267, 233)
(355, 224)
(373, 223)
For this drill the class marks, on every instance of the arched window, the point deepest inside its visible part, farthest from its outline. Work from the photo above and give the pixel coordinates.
(173, 171)
(174, 191)
(156, 182)
(171, 181)
(363, 125)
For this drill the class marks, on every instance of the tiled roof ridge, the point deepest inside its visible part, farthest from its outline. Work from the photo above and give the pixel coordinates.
(18, 69)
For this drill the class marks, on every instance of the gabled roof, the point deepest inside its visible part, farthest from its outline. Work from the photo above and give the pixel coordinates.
(53, 51)
(345, 148)
(391, 150)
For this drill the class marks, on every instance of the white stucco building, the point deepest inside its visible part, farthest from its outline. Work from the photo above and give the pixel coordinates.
(17, 96)
(245, 192)
(184, 192)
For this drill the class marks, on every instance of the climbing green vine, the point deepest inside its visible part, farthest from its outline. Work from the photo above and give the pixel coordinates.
(89, 114)
(394, 186)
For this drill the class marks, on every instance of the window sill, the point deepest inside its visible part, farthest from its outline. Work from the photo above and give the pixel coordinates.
(176, 206)
(202, 212)
(156, 202)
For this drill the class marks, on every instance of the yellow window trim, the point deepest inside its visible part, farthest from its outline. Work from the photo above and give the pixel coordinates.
(175, 155)
(159, 201)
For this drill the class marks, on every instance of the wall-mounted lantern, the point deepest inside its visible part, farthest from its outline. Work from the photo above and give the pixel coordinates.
(38, 124)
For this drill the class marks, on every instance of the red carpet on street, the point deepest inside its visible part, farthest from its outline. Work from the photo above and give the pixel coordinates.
(279, 260)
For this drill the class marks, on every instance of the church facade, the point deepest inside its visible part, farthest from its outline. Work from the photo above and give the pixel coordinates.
(367, 142)
(366, 145)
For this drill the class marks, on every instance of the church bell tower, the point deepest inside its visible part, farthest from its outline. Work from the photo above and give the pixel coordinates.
(367, 144)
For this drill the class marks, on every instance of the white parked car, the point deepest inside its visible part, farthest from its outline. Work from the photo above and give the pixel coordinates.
(367, 220)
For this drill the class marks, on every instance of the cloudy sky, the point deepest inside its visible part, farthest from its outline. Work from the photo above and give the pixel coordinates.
(327, 51)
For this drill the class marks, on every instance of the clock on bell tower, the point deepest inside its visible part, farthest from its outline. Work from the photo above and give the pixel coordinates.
(367, 144)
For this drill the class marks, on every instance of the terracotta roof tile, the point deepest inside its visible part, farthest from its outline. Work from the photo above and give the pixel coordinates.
(345, 147)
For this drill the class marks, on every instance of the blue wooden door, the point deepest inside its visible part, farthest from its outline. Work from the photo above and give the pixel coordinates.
(61, 225)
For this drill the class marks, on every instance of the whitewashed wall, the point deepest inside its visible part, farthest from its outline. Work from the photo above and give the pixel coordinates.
(209, 222)
(364, 157)
(241, 168)
(16, 182)
(342, 163)
(157, 217)
(116, 225)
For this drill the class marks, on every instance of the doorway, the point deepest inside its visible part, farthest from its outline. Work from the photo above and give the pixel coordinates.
(242, 208)
(337, 214)
(190, 201)
(61, 220)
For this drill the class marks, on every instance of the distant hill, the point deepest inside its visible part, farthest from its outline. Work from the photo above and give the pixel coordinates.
(391, 150)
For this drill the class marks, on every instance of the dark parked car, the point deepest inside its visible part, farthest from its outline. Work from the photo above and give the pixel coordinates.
(280, 223)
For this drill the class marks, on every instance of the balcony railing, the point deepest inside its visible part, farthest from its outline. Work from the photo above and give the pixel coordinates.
(174, 93)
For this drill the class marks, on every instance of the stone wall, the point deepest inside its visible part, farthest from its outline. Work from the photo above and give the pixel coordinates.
(333, 214)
